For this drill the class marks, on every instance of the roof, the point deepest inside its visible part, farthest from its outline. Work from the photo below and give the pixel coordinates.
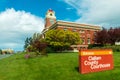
(74, 24)
(50, 10)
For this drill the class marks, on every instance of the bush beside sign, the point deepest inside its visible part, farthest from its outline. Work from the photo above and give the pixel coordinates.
(95, 60)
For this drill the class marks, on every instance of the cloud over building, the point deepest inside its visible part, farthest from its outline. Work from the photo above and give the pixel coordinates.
(15, 26)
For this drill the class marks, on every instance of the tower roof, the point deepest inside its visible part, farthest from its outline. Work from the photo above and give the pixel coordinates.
(50, 10)
(50, 14)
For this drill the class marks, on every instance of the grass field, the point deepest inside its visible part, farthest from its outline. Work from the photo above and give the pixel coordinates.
(60, 66)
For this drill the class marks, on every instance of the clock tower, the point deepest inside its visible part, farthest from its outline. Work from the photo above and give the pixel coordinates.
(50, 18)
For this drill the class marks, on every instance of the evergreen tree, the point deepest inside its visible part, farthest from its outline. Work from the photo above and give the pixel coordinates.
(0, 51)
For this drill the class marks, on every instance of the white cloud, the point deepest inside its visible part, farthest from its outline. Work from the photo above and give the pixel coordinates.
(15, 26)
(101, 12)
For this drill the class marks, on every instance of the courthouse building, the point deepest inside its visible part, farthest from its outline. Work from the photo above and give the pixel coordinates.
(86, 31)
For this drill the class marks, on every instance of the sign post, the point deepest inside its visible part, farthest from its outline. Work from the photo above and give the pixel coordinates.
(93, 60)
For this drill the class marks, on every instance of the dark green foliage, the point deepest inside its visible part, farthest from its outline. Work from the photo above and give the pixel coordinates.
(28, 41)
(49, 50)
(0, 51)
(115, 48)
(56, 40)
(90, 46)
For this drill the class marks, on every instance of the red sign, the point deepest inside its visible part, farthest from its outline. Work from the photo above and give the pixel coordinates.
(95, 60)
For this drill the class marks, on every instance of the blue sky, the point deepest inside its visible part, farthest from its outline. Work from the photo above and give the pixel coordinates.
(39, 7)
(21, 18)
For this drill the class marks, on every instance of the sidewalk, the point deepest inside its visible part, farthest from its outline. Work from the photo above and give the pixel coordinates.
(4, 56)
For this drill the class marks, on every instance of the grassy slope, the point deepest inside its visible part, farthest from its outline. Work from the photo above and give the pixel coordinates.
(54, 67)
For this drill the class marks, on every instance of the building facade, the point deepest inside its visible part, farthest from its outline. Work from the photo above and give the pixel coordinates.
(87, 32)
(7, 51)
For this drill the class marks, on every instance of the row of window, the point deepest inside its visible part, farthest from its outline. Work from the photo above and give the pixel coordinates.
(88, 36)
(82, 36)
(88, 41)
(74, 30)
(81, 31)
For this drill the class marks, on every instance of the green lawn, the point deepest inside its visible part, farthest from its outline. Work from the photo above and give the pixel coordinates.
(60, 66)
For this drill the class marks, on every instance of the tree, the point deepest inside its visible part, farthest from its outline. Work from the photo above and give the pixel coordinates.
(28, 41)
(60, 40)
(39, 46)
(32, 40)
(117, 30)
(101, 37)
(109, 36)
(34, 44)
(0, 51)
(114, 35)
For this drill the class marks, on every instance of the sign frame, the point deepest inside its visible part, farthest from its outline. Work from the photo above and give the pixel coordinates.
(95, 60)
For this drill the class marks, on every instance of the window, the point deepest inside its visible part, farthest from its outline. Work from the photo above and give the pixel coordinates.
(82, 31)
(51, 21)
(88, 35)
(65, 29)
(74, 30)
(95, 33)
(88, 40)
(83, 41)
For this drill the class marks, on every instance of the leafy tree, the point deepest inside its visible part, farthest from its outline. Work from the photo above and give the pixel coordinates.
(34, 44)
(30, 48)
(32, 40)
(61, 40)
(39, 46)
(0, 51)
(109, 36)
(101, 37)
(114, 35)
(36, 36)
(28, 41)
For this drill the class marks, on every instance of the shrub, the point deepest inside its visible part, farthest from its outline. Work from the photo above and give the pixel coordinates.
(0, 51)
(115, 48)
(27, 56)
(49, 50)
(95, 46)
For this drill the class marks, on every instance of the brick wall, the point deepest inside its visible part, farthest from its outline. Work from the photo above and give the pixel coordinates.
(85, 34)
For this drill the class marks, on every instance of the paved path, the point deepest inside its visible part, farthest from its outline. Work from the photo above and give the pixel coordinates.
(4, 56)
